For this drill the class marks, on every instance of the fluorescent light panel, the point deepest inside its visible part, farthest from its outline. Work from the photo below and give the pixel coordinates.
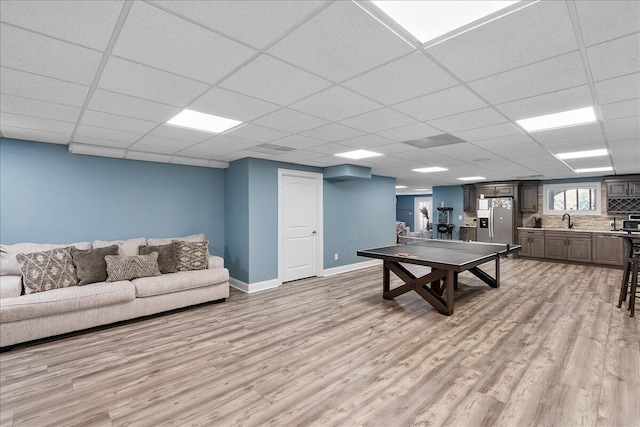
(203, 122)
(472, 178)
(401, 186)
(431, 169)
(422, 189)
(563, 119)
(358, 154)
(428, 20)
(582, 154)
(601, 169)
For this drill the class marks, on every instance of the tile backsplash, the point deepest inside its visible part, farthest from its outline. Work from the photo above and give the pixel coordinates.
(580, 222)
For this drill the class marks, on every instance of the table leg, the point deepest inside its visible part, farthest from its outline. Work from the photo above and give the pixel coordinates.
(497, 271)
(634, 285)
(450, 282)
(386, 280)
(625, 275)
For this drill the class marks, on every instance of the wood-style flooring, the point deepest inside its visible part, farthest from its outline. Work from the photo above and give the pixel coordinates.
(548, 348)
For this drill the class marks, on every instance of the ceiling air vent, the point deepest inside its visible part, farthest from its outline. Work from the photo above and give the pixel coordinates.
(270, 149)
(435, 141)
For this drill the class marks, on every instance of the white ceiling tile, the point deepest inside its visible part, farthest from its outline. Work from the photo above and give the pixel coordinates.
(618, 110)
(465, 151)
(331, 149)
(108, 134)
(444, 103)
(332, 132)
(272, 80)
(35, 135)
(393, 149)
(35, 123)
(379, 120)
(129, 106)
(232, 105)
(181, 134)
(262, 21)
(141, 81)
(560, 146)
(468, 120)
(36, 108)
(604, 20)
(366, 142)
(614, 58)
(554, 74)
(257, 133)
(548, 103)
(403, 79)
(534, 33)
(111, 121)
(618, 88)
(38, 54)
(197, 53)
(100, 142)
(591, 162)
(87, 23)
(488, 132)
(410, 132)
(162, 142)
(625, 128)
(298, 142)
(591, 131)
(335, 103)
(155, 149)
(298, 155)
(20, 83)
(290, 121)
(340, 34)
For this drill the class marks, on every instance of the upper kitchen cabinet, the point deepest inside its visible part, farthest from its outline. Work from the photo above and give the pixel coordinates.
(469, 198)
(623, 194)
(529, 197)
(497, 189)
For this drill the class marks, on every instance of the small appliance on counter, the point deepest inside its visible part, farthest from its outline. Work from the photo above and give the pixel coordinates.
(633, 223)
(536, 222)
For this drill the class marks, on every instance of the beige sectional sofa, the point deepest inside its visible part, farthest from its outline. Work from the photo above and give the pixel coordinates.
(26, 317)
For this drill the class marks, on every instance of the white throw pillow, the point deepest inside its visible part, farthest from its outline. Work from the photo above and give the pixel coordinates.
(191, 239)
(125, 247)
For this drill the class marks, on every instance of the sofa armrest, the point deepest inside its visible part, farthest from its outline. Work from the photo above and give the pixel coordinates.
(10, 286)
(215, 262)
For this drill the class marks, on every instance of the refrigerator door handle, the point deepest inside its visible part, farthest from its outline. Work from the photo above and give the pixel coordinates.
(491, 223)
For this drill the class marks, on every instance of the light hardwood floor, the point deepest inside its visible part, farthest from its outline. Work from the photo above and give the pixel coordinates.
(549, 348)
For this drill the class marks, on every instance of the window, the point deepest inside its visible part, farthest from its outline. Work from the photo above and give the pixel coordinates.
(580, 198)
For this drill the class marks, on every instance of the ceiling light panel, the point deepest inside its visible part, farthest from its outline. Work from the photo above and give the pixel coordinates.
(430, 169)
(592, 170)
(358, 154)
(472, 178)
(582, 154)
(203, 122)
(559, 120)
(428, 20)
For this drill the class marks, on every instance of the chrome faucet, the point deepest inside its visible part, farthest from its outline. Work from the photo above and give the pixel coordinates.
(568, 216)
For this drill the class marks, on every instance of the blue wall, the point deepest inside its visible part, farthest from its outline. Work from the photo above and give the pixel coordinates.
(236, 219)
(48, 195)
(358, 214)
(452, 196)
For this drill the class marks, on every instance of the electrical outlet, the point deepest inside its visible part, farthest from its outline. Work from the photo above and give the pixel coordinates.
(460, 217)
(336, 257)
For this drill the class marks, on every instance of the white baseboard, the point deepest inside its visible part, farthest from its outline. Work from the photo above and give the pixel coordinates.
(351, 267)
(254, 287)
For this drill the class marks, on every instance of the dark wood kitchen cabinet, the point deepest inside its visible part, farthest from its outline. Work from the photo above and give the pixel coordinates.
(469, 198)
(529, 198)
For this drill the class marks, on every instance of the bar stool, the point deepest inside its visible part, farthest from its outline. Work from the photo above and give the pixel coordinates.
(630, 276)
(634, 284)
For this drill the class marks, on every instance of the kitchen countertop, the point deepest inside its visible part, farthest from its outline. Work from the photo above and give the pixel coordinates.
(573, 230)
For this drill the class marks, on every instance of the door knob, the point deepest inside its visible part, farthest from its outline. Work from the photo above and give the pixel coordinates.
(314, 232)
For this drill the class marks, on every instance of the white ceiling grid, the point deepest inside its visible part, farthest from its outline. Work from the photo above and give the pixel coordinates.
(323, 77)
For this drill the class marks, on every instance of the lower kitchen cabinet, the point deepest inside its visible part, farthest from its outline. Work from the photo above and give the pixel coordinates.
(532, 243)
(608, 249)
(468, 234)
(568, 246)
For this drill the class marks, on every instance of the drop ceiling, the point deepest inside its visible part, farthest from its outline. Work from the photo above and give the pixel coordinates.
(316, 78)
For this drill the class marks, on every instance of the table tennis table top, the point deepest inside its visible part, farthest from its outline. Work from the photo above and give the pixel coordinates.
(443, 252)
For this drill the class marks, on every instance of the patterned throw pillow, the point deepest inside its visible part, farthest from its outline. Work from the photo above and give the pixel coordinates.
(42, 271)
(131, 267)
(166, 256)
(191, 255)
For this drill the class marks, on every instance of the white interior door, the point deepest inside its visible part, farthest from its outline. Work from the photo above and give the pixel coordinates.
(419, 219)
(299, 225)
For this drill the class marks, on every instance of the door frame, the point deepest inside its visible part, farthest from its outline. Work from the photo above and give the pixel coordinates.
(318, 177)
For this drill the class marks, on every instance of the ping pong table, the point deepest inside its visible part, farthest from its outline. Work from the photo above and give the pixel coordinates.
(447, 258)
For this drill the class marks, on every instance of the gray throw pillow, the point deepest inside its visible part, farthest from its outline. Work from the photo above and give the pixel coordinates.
(42, 271)
(191, 255)
(131, 267)
(90, 264)
(166, 256)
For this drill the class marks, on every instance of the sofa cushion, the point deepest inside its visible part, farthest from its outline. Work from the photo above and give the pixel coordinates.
(216, 262)
(192, 255)
(90, 264)
(125, 247)
(9, 265)
(65, 300)
(10, 286)
(43, 271)
(166, 241)
(166, 256)
(131, 267)
(180, 281)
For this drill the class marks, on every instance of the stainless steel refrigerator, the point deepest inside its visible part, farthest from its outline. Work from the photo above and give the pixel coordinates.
(495, 220)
